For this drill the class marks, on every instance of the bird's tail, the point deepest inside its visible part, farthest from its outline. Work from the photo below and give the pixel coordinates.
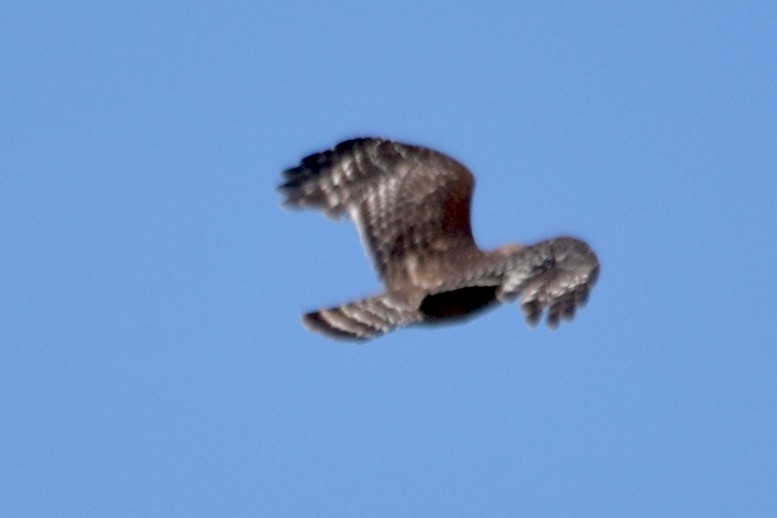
(361, 320)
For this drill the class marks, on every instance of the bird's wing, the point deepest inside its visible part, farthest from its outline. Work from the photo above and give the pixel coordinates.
(554, 276)
(410, 204)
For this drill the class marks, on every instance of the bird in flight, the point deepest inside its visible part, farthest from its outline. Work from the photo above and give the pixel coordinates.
(411, 206)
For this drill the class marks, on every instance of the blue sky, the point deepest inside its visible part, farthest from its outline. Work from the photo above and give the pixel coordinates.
(152, 359)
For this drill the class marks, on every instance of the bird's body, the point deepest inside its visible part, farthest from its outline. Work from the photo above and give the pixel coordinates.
(411, 206)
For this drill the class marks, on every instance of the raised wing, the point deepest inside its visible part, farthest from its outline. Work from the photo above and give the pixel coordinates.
(409, 203)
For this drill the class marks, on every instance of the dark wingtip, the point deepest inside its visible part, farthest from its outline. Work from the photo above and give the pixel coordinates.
(317, 163)
(292, 173)
(296, 176)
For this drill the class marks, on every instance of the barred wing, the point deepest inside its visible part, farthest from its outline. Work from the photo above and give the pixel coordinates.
(410, 204)
(553, 276)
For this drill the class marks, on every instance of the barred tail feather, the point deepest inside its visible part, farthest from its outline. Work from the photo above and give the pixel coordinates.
(361, 320)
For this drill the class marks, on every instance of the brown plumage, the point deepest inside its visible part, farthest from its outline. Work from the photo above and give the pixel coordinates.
(411, 206)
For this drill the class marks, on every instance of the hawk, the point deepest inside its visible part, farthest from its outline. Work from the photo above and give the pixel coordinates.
(411, 205)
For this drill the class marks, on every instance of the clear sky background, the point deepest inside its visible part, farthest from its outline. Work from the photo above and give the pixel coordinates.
(152, 359)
